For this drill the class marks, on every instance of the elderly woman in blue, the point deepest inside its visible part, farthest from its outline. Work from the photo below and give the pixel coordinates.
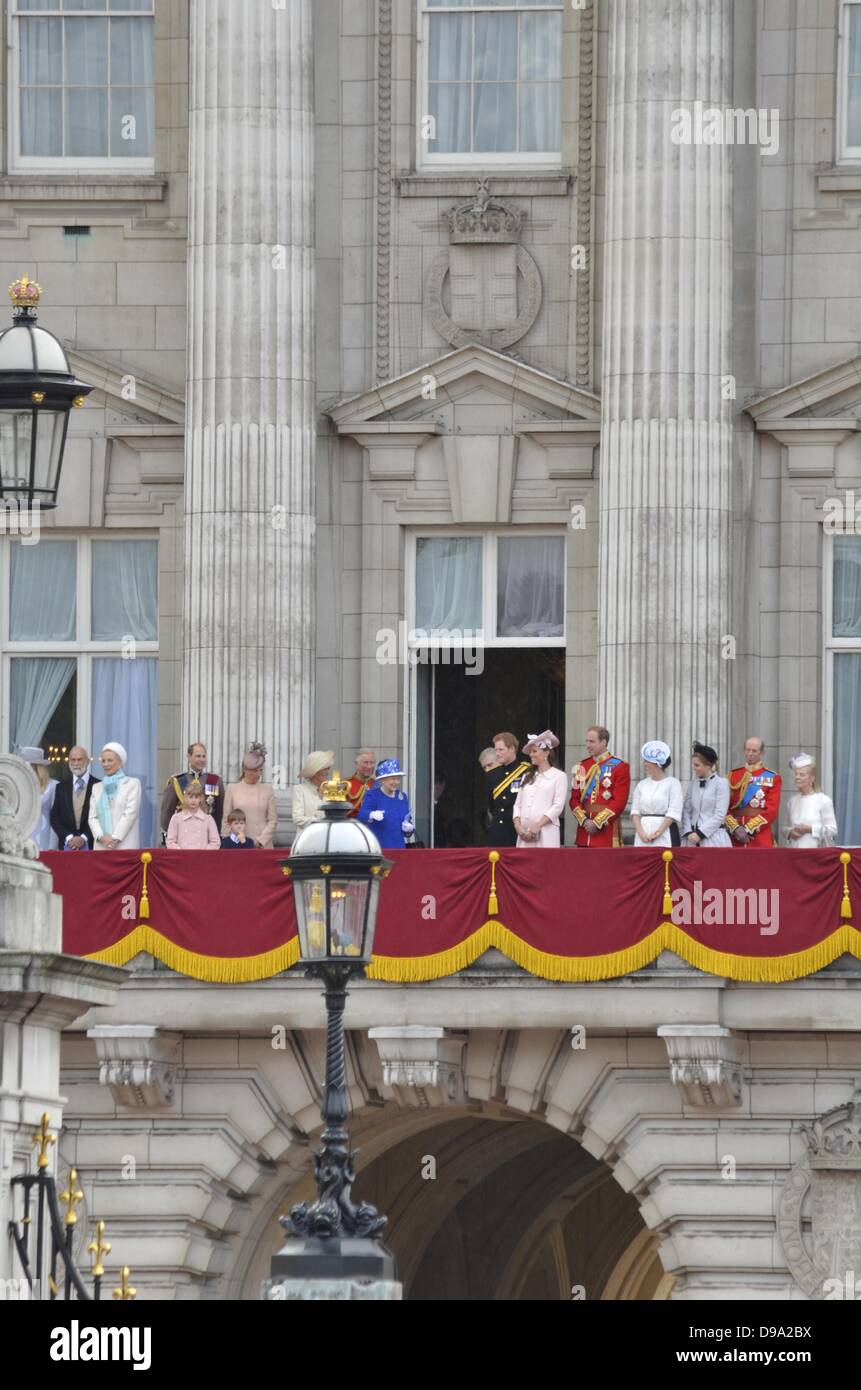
(385, 809)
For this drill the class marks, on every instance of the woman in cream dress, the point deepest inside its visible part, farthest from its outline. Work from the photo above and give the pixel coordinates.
(115, 805)
(307, 793)
(255, 798)
(812, 822)
(658, 803)
(541, 800)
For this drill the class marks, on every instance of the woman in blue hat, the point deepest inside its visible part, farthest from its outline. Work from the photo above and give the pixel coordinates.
(385, 809)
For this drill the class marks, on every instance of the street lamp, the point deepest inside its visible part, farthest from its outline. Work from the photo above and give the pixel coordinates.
(336, 866)
(37, 392)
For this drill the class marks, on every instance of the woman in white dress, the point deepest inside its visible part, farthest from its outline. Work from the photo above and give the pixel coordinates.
(656, 809)
(43, 835)
(115, 804)
(812, 822)
(706, 803)
(541, 800)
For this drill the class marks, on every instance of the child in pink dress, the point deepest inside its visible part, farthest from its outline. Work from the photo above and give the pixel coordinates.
(192, 828)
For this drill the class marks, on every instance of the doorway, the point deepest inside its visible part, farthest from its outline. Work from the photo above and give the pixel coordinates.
(456, 715)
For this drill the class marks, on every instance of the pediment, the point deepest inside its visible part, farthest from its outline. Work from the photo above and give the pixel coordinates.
(128, 398)
(475, 376)
(830, 395)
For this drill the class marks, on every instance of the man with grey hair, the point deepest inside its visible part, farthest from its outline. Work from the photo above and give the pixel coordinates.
(488, 759)
(362, 779)
(70, 813)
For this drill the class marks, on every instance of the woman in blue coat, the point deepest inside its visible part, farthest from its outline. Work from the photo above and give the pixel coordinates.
(385, 809)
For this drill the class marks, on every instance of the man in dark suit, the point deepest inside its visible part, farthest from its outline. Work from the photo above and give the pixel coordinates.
(213, 788)
(70, 814)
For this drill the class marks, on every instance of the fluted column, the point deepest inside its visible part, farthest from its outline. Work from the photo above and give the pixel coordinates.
(666, 452)
(248, 618)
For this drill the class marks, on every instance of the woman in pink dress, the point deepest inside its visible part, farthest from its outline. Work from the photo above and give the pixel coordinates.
(541, 799)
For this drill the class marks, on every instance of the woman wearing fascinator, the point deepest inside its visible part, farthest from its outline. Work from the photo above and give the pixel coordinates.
(812, 822)
(255, 797)
(706, 803)
(657, 807)
(541, 799)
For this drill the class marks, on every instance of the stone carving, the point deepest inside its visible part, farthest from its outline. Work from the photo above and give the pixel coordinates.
(423, 1066)
(20, 800)
(384, 187)
(137, 1063)
(705, 1062)
(584, 194)
(826, 1187)
(484, 219)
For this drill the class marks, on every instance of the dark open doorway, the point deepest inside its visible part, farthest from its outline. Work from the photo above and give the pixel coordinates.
(520, 689)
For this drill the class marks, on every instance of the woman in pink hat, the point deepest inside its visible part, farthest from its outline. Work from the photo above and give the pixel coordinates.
(541, 799)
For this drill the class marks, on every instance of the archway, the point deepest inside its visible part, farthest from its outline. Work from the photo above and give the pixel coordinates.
(501, 1208)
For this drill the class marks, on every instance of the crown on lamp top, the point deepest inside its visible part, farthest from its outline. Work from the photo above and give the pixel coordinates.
(25, 293)
(336, 788)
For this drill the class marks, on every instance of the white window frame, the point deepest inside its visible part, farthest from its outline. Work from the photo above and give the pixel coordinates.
(508, 159)
(847, 154)
(53, 164)
(489, 573)
(84, 651)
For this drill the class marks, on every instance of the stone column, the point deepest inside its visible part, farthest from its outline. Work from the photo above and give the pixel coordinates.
(666, 454)
(248, 624)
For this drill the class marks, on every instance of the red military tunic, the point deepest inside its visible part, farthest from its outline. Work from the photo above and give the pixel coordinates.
(599, 792)
(754, 802)
(356, 789)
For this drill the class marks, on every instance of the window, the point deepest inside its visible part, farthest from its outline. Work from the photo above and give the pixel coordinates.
(849, 86)
(843, 719)
(492, 81)
(489, 590)
(79, 651)
(82, 83)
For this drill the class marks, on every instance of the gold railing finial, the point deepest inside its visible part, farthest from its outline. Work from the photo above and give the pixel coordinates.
(44, 1140)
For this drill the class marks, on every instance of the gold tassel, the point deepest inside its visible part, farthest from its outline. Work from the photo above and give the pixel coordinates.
(846, 904)
(667, 908)
(493, 901)
(143, 910)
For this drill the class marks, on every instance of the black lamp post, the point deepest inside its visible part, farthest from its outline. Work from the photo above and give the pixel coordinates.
(336, 867)
(37, 392)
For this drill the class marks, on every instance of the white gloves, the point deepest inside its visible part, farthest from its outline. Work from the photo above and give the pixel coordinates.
(376, 815)
(407, 827)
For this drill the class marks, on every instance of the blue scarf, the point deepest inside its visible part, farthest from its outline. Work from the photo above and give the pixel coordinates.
(110, 786)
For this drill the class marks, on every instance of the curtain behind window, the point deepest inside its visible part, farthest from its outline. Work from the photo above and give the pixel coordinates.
(37, 687)
(125, 710)
(531, 587)
(125, 590)
(847, 587)
(44, 595)
(448, 583)
(847, 747)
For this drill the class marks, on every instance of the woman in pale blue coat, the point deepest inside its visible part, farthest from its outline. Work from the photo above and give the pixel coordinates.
(706, 803)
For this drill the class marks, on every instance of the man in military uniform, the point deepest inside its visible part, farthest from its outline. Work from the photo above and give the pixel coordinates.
(754, 800)
(362, 779)
(599, 793)
(503, 784)
(213, 788)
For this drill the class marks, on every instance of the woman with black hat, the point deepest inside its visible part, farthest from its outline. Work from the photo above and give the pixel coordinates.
(706, 803)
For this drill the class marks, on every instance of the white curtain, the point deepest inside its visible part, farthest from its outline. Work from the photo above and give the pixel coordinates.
(132, 76)
(853, 68)
(41, 103)
(847, 586)
(847, 747)
(125, 710)
(448, 583)
(37, 687)
(125, 590)
(450, 67)
(531, 587)
(44, 595)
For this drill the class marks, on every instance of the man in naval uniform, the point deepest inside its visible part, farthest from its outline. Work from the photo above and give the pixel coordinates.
(213, 788)
(754, 800)
(503, 784)
(600, 787)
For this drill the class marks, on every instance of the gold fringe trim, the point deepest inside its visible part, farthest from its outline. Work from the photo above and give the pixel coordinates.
(577, 969)
(221, 970)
